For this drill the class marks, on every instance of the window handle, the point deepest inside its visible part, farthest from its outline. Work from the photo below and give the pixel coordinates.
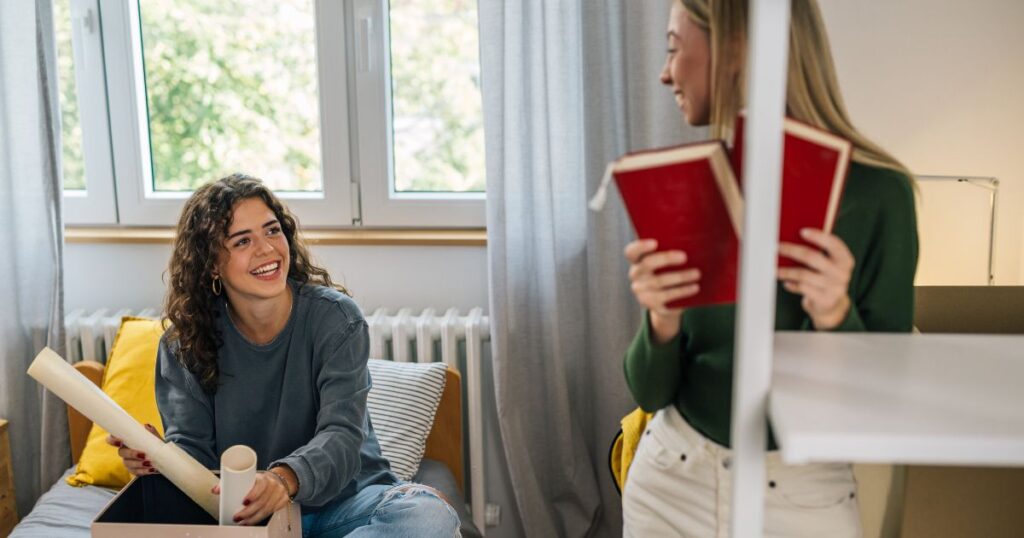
(365, 41)
(84, 18)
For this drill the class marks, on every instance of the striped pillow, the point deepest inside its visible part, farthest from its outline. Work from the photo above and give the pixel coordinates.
(402, 403)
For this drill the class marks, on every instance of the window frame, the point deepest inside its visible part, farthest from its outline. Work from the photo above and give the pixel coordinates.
(95, 204)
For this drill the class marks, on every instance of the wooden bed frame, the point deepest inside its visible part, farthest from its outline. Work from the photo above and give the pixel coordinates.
(444, 443)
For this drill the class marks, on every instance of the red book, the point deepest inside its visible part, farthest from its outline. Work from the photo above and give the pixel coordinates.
(814, 166)
(687, 198)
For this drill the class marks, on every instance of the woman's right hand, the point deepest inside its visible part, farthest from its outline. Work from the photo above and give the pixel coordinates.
(655, 291)
(134, 461)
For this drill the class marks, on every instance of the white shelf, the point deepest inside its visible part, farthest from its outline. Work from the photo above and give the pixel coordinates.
(899, 398)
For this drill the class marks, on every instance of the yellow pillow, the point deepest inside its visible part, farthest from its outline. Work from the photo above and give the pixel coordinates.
(129, 380)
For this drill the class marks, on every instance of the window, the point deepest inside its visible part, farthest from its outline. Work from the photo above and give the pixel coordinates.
(409, 71)
(345, 122)
(88, 178)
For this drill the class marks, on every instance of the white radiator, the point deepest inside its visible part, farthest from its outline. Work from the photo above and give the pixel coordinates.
(90, 335)
(402, 337)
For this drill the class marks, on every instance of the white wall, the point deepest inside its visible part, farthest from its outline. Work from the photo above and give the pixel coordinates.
(126, 275)
(937, 83)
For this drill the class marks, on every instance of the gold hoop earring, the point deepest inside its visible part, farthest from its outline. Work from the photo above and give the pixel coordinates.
(217, 286)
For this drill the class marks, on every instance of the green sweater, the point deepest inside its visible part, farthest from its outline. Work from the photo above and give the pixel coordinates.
(694, 371)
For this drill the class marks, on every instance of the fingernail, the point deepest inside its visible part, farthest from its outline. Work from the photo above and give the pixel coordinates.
(118, 444)
(246, 502)
(142, 455)
(237, 519)
(146, 464)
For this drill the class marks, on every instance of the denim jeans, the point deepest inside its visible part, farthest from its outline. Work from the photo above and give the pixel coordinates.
(407, 509)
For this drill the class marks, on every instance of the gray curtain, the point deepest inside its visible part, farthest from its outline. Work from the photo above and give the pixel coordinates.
(31, 295)
(568, 85)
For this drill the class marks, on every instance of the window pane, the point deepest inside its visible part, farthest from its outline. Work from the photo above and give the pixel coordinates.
(435, 77)
(231, 86)
(71, 126)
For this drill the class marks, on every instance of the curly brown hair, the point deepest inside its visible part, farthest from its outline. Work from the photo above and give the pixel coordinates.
(191, 306)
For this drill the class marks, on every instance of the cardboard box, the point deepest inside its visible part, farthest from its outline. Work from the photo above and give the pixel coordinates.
(151, 506)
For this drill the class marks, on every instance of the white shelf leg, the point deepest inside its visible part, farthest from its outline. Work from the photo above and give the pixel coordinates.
(766, 90)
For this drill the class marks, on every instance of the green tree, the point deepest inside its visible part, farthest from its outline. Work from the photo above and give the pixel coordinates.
(230, 93)
(435, 72)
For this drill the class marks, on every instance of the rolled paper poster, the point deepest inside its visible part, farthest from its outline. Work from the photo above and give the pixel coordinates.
(190, 476)
(237, 475)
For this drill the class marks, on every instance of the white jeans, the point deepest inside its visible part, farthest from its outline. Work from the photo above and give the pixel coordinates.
(680, 484)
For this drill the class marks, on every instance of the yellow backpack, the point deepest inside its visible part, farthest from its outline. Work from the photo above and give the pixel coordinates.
(624, 446)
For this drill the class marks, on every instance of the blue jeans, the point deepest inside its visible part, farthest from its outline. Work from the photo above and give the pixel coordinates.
(407, 509)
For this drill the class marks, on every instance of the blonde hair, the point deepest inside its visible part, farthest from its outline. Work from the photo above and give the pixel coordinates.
(812, 94)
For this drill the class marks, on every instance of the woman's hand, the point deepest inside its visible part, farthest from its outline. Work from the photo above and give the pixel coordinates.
(268, 495)
(824, 279)
(134, 461)
(655, 291)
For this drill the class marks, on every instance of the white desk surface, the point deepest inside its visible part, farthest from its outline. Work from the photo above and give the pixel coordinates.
(899, 398)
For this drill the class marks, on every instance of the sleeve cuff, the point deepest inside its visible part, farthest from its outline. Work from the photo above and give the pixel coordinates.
(302, 472)
(667, 351)
(851, 323)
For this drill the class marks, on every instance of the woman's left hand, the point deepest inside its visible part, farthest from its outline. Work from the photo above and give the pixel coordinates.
(268, 495)
(823, 281)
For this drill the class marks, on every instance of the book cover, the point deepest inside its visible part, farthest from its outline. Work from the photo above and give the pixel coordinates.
(814, 167)
(687, 198)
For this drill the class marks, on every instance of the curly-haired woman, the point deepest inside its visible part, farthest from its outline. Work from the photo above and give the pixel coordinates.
(264, 350)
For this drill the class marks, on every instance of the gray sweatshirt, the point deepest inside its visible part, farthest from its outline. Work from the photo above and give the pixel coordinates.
(299, 400)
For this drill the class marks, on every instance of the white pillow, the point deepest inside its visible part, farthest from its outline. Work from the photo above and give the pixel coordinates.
(402, 403)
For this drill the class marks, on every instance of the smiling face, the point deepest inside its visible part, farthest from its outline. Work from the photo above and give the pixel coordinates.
(255, 258)
(687, 67)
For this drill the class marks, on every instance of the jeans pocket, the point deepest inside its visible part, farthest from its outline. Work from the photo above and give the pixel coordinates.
(661, 456)
(813, 487)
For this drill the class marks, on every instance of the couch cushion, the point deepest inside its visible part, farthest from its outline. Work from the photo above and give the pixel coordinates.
(129, 380)
(64, 511)
(402, 404)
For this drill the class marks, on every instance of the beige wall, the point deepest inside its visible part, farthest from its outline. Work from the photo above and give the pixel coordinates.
(937, 82)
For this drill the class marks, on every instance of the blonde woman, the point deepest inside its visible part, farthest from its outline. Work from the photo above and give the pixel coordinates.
(858, 279)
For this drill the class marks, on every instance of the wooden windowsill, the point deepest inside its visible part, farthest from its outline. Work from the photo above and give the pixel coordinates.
(341, 236)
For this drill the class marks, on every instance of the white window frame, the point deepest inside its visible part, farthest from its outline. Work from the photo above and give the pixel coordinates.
(95, 204)
(355, 132)
(381, 206)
